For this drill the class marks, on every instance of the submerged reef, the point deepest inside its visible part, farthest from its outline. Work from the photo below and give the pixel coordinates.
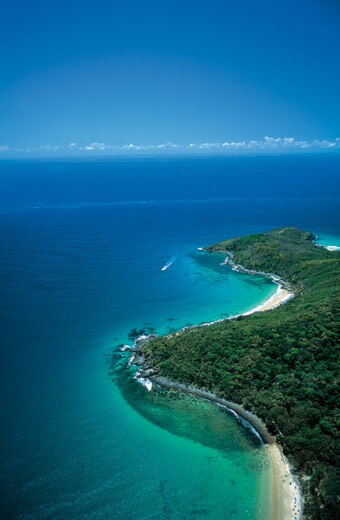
(280, 365)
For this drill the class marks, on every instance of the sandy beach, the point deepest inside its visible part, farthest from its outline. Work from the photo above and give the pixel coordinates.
(286, 497)
(286, 503)
(281, 296)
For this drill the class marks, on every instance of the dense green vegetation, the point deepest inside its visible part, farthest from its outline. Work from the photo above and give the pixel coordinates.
(282, 364)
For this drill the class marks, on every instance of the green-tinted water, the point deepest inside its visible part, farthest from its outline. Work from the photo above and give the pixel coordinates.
(205, 464)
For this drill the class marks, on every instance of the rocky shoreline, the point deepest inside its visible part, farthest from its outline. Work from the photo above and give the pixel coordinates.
(287, 498)
(286, 495)
(253, 420)
(241, 269)
(148, 374)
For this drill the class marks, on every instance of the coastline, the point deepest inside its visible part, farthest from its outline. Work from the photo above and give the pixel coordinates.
(279, 298)
(282, 295)
(286, 495)
(219, 359)
(286, 503)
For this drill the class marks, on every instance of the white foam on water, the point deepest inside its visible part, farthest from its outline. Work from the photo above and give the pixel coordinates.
(145, 382)
(169, 263)
(125, 347)
(250, 427)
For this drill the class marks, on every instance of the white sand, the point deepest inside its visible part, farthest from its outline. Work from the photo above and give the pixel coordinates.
(286, 497)
(281, 296)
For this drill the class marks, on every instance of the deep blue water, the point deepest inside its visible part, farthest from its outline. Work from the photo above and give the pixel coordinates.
(82, 246)
(103, 181)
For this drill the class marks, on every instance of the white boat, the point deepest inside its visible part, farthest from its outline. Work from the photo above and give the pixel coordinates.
(171, 261)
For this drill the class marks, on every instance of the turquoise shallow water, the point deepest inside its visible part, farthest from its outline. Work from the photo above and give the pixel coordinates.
(325, 239)
(76, 274)
(214, 467)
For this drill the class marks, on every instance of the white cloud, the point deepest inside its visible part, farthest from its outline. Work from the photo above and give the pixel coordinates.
(267, 144)
(74, 146)
(95, 146)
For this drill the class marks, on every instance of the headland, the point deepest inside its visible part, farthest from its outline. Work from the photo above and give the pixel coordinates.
(269, 366)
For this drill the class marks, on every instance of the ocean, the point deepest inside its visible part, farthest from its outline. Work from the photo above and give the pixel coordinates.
(83, 243)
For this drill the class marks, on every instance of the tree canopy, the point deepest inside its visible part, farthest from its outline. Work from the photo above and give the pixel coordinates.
(281, 364)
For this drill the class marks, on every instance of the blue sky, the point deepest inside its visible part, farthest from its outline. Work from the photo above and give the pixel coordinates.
(147, 73)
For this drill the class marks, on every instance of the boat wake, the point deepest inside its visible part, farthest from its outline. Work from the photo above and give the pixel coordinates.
(167, 265)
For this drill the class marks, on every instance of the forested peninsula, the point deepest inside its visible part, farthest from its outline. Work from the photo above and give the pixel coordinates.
(281, 365)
